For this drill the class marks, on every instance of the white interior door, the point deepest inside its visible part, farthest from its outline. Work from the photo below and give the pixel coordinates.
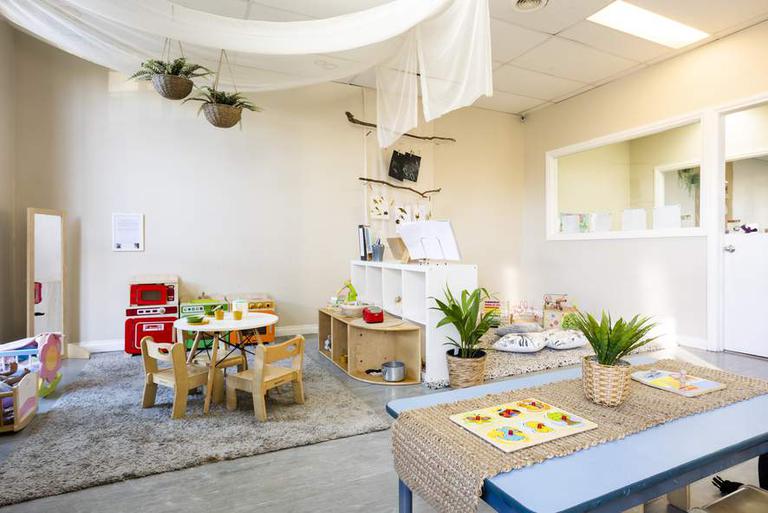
(746, 293)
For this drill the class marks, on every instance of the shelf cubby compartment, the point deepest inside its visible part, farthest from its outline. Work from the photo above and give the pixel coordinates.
(339, 344)
(324, 322)
(414, 296)
(373, 285)
(358, 278)
(392, 291)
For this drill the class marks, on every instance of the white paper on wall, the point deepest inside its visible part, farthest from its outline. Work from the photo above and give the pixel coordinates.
(127, 232)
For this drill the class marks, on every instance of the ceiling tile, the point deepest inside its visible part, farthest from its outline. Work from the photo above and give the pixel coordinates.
(615, 42)
(712, 16)
(574, 61)
(556, 16)
(510, 41)
(506, 102)
(511, 79)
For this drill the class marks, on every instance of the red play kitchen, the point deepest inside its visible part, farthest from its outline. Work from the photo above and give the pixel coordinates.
(152, 310)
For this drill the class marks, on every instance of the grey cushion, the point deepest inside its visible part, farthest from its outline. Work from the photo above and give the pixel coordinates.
(521, 343)
(519, 327)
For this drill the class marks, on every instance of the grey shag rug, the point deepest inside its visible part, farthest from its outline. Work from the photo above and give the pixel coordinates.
(500, 364)
(97, 433)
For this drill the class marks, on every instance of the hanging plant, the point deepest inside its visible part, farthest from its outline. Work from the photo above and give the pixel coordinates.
(222, 109)
(690, 179)
(172, 79)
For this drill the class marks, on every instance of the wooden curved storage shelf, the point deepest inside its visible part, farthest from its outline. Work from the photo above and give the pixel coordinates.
(357, 346)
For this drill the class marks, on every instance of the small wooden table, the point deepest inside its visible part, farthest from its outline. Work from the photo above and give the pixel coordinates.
(244, 329)
(619, 475)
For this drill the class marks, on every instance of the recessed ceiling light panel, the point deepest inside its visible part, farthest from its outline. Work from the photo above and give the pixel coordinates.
(646, 24)
(528, 5)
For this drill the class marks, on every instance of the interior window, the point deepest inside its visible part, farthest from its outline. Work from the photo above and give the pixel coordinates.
(647, 183)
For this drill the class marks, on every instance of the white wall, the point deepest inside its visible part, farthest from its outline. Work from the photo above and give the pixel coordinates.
(661, 277)
(272, 207)
(7, 100)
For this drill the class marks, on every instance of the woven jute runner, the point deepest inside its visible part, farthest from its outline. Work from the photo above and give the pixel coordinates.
(446, 465)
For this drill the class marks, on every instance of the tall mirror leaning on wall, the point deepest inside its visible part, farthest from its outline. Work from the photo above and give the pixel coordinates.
(45, 271)
(649, 183)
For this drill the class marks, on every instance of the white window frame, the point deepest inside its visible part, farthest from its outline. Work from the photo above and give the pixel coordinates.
(552, 219)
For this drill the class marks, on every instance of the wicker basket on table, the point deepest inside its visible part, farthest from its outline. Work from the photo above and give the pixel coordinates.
(608, 385)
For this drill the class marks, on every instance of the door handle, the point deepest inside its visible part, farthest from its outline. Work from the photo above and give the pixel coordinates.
(730, 248)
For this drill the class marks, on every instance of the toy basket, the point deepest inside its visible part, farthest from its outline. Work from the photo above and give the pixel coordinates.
(19, 405)
(171, 86)
(608, 385)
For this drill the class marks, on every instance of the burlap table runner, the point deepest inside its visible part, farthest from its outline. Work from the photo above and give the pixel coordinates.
(446, 465)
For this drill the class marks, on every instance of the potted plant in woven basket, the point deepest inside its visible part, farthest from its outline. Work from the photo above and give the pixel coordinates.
(606, 378)
(466, 361)
(222, 109)
(172, 79)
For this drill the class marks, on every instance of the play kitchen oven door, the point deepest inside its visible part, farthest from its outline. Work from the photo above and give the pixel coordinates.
(148, 322)
(149, 294)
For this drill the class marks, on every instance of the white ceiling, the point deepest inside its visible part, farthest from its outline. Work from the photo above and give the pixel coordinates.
(544, 56)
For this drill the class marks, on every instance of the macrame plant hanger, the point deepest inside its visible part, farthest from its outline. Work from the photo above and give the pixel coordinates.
(170, 86)
(218, 114)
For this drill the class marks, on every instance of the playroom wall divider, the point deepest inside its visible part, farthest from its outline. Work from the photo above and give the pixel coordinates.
(406, 291)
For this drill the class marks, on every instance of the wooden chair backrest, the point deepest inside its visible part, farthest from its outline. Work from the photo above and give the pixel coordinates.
(293, 349)
(152, 352)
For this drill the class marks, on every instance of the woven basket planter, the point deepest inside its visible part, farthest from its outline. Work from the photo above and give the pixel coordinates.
(171, 86)
(465, 372)
(222, 116)
(606, 384)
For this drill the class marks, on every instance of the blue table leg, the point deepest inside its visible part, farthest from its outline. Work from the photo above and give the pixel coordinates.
(405, 500)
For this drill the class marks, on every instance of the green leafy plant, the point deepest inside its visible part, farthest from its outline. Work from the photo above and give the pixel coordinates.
(464, 314)
(210, 95)
(177, 67)
(689, 178)
(612, 341)
(569, 322)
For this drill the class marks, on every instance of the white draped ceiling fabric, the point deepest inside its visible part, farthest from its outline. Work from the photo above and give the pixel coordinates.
(440, 48)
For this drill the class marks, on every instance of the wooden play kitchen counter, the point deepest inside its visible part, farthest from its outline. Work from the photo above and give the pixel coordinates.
(356, 346)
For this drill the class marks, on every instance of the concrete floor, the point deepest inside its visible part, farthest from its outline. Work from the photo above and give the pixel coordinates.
(347, 475)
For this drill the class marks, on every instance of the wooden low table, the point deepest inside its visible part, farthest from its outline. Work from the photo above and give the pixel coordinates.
(620, 475)
(357, 346)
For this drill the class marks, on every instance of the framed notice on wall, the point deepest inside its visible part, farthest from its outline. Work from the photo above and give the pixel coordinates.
(127, 232)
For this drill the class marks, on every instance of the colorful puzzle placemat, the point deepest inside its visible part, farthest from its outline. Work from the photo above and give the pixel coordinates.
(677, 382)
(520, 424)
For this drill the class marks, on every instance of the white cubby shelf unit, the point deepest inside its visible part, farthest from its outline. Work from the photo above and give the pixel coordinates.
(406, 291)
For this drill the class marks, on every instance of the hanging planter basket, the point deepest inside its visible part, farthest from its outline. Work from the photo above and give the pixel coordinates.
(222, 116)
(172, 87)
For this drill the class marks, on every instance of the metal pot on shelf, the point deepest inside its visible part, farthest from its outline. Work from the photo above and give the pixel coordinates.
(393, 371)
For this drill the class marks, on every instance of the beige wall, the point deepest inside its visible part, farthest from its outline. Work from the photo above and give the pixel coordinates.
(750, 191)
(481, 176)
(661, 277)
(7, 93)
(270, 207)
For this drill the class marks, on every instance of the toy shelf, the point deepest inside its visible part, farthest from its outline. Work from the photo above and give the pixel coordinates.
(357, 346)
(405, 291)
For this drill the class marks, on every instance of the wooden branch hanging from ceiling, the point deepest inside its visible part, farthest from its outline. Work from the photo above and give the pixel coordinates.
(424, 194)
(352, 119)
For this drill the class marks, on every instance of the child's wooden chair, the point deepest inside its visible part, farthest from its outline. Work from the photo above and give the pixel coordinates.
(264, 376)
(180, 376)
